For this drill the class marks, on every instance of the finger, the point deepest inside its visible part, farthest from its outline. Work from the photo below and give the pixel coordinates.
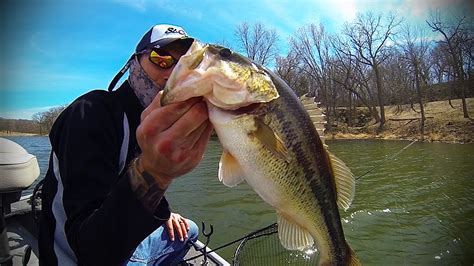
(160, 119)
(184, 229)
(169, 227)
(201, 144)
(194, 136)
(179, 229)
(156, 103)
(191, 120)
(196, 150)
(184, 150)
(186, 224)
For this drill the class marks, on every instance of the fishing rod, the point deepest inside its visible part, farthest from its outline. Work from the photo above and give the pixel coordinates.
(386, 159)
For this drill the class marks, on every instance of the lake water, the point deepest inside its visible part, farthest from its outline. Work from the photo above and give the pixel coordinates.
(416, 209)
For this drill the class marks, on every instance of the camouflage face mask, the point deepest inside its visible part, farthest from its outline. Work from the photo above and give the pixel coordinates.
(142, 84)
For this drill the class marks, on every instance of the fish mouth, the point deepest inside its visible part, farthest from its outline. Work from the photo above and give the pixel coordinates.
(247, 109)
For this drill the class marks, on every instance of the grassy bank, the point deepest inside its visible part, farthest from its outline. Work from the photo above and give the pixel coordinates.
(5, 133)
(444, 123)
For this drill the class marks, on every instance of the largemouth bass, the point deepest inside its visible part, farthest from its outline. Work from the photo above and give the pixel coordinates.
(270, 141)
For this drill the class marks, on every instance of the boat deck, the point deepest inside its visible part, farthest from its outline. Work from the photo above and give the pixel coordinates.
(21, 232)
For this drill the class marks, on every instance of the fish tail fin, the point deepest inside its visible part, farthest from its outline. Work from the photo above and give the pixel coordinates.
(352, 259)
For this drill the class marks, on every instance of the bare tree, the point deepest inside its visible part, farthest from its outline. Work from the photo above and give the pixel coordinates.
(457, 38)
(290, 70)
(397, 81)
(468, 54)
(311, 45)
(39, 119)
(343, 71)
(416, 50)
(369, 36)
(352, 76)
(440, 63)
(46, 119)
(258, 42)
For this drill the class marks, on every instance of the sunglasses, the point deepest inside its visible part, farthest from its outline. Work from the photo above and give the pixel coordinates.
(162, 58)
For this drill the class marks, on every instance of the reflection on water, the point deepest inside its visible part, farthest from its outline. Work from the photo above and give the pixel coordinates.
(415, 209)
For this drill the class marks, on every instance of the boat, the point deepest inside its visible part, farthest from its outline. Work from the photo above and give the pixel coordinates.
(18, 170)
(19, 218)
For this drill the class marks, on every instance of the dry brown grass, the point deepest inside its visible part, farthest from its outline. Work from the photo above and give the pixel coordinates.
(4, 133)
(445, 124)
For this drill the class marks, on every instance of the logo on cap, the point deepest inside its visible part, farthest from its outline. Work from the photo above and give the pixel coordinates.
(175, 30)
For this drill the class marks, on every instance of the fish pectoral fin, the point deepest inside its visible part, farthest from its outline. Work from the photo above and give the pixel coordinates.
(292, 236)
(344, 180)
(270, 140)
(230, 172)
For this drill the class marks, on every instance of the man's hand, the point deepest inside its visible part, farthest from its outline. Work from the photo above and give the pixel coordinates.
(179, 224)
(173, 138)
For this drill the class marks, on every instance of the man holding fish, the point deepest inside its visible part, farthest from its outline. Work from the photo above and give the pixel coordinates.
(113, 156)
(268, 136)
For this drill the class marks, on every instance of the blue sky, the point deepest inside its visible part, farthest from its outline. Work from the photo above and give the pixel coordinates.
(55, 50)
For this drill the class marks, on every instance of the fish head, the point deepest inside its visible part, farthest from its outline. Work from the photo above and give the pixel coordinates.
(222, 77)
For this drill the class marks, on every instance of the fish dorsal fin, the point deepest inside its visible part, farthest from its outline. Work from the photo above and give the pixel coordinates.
(316, 115)
(292, 236)
(269, 139)
(344, 180)
(230, 172)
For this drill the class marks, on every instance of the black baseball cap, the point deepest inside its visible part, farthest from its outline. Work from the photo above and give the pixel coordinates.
(157, 37)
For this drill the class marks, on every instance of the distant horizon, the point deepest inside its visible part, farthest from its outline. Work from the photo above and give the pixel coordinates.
(57, 50)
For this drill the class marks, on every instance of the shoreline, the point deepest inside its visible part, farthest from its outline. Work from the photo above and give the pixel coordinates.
(335, 135)
(445, 123)
(17, 134)
(346, 136)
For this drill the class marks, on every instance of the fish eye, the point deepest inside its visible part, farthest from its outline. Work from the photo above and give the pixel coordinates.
(225, 52)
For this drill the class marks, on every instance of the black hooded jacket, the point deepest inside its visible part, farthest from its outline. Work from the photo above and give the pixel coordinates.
(90, 216)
